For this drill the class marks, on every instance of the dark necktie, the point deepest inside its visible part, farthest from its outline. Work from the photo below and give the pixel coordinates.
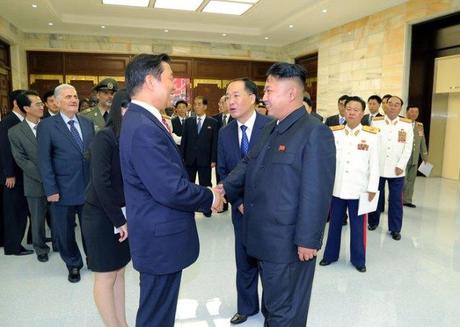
(224, 120)
(198, 124)
(105, 116)
(244, 141)
(76, 136)
(165, 123)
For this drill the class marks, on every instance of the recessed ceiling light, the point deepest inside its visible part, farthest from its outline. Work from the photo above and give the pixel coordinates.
(291, 26)
(166, 31)
(34, 5)
(224, 34)
(191, 5)
(102, 26)
(324, 11)
(266, 38)
(227, 8)
(50, 24)
(133, 3)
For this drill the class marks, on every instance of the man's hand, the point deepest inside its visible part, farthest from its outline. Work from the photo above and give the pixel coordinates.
(213, 165)
(10, 182)
(53, 198)
(398, 171)
(241, 208)
(220, 188)
(306, 254)
(123, 232)
(371, 196)
(219, 200)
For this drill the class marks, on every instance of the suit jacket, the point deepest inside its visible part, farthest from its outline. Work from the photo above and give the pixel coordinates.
(365, 120)
(105, 187)
(160, 199)
(177, 126)
(24, 147)
(288, 179)
(419, 145)
(8, 166)
(333, 121)
(229, 153)
(199, 149)
(220, 122)
(317, 115)
(63, 166)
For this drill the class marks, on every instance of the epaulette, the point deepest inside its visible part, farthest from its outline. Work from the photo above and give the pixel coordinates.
(337, 127)
(419, 124)
(370, 129)
(378, 118)
(406, 120)
(86, 110)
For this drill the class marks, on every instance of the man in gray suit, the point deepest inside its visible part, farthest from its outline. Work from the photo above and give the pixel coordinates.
(25, 152)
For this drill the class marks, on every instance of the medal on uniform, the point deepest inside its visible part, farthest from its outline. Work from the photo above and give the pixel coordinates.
(363, 146)
(402, 136)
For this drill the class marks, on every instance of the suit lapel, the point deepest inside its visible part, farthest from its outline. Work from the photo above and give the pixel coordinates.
(234, 142)
(258, 126)
(28, 133)
(85, 132)
(61, 126)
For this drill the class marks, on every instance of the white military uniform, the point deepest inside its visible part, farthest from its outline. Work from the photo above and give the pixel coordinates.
(357, 161)
(396, 137)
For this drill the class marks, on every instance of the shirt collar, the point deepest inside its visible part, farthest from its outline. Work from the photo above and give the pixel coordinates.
(250, 122)
(31, 124)
(353, 132)
(154, 111)
(202, 117)
(388, 121)
(67, 119)
(21, 117)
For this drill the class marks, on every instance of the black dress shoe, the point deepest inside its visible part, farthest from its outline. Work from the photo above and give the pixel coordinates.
(324, 263)
(372, 227)
(42, 257)
(74, 275)
(238, 319)
(361, 269)
(207, 214)
(396, 236)
(410, 205)
(48, 239)
(24, 251)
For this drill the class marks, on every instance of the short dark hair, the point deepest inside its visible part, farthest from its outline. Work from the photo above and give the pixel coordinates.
(307, 100)
(410, 106)
(386, 96)
(343, 98)
(13, 96)
(141, 66)
(48, 95)
(286, 70)
(356, 99)
(249, 86)
(120, 99)
(375, 97)
(203, 99)
(23, 99)
(181, 101)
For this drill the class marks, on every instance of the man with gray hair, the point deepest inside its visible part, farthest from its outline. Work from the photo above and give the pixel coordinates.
(63, 142)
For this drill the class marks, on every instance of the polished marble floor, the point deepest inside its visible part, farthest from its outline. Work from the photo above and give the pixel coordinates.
(411, 283)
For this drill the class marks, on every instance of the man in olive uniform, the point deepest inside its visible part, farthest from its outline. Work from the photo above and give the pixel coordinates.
(418, 149)
(99, 114)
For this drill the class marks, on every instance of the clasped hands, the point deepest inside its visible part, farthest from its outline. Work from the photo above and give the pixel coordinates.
(219, 198)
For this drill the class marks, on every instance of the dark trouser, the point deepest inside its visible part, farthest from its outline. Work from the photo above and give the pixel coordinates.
(395, 208)
(64, 228)
(158, 299)
(15, 213)
(287, 291)
(247, 273)
(37, 207)
(204, 174)
(358, 228)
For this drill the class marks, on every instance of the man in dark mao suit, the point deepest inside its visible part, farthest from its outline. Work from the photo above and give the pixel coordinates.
(235, 140)
(63, 144)
(288, 178)
(160, 199)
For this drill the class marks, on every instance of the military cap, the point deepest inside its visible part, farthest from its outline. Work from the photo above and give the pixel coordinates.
(107, 84)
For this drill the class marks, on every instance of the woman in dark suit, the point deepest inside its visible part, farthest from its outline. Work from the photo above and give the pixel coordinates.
(104, 223)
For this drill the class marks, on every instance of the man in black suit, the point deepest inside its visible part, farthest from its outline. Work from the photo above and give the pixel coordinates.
(288, 177)
(308, 106)
(181, 115)
(63, 143)
(235, 140)
(14, 202)
(223, 117)
(199, 144)
(338, 119)
(50, 104)
(373, 103)
(24, 147)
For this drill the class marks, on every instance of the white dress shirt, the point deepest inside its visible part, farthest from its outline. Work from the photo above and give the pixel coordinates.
(396, 137)
(357, 165)
(76, 123)
(32, 126)
(250, 127)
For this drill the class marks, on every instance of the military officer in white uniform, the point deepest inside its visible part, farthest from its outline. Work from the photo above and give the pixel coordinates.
(357, 172)
(396, 135)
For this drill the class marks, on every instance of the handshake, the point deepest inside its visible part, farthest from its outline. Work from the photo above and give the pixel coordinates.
(219, 198)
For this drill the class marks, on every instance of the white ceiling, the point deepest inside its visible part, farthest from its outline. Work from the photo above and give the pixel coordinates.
(268, 18)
